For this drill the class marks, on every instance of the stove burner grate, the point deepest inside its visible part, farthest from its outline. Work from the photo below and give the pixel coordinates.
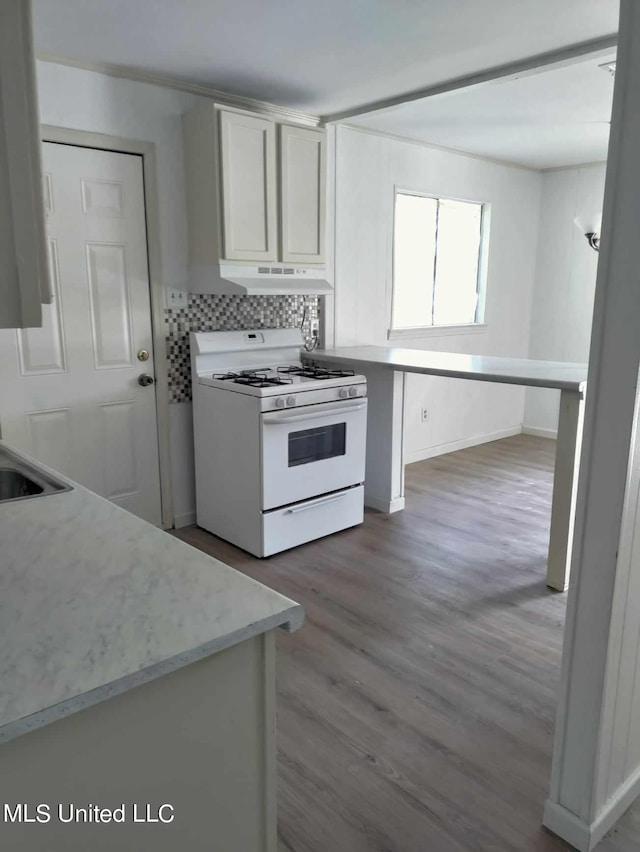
(310, 371)
(224, 377)
(261, 381)
(253, 378)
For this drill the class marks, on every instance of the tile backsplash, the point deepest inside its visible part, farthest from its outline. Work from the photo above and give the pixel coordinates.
(226, 313)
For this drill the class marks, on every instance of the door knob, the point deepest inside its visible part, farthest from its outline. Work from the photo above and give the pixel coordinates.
(145, 379)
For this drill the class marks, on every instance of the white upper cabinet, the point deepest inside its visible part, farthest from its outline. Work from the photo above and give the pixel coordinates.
(249, 189)
(302, 194)
(256, 198)
(24, 279)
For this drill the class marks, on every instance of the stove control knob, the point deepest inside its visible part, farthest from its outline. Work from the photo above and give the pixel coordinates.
(353, 391)
(343, 393)
(280, 402)
(291, 400)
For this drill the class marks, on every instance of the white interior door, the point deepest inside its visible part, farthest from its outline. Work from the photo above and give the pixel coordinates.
(70, 392)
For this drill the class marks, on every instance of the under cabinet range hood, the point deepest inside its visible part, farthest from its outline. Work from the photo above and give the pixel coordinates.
(268, 279)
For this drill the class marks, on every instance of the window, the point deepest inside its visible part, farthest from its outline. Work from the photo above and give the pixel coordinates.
(436, 262)
(312, 445)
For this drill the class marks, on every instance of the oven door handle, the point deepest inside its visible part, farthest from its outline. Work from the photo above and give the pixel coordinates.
(314, 503)
(322, 410)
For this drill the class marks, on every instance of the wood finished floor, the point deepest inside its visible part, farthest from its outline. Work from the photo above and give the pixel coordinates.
(416, 706)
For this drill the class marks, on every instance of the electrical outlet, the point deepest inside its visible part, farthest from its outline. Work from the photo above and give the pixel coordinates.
(176, 299)
(424, 414)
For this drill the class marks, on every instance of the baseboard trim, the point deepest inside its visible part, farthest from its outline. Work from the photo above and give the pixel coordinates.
(586, 836)
(615, 807)
(185, 520)
(383, 505)
(452, 446)
(566, 825)
(540, 433)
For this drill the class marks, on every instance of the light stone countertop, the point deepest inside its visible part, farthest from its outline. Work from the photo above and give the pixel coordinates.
(563, 375)
(95, 601)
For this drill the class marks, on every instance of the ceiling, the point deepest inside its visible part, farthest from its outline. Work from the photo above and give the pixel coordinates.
(320, 56)
(547, 119)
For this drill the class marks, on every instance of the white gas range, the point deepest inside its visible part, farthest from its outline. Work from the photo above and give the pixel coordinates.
(279, 444)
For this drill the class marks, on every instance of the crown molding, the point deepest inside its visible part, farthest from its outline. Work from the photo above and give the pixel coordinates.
(137, 75)
(410, 140)
(484, 158)
(591, 164)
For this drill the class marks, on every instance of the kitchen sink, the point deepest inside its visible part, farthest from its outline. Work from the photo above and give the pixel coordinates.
(14, 485)
(20, 480)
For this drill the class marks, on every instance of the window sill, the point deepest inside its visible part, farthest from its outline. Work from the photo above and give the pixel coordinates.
(436, 331)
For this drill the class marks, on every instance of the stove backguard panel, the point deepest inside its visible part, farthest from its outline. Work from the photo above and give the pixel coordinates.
(226, 313)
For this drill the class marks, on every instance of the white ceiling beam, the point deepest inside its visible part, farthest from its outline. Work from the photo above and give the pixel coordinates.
(529, 65)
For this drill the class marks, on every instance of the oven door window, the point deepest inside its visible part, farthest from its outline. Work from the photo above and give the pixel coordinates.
(321, 442)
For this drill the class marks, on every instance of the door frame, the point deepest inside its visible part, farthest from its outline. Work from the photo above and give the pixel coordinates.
(147, 151)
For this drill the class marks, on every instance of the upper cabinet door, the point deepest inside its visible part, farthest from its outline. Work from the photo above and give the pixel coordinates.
(249, 190)
(302, 175)
(24, 280)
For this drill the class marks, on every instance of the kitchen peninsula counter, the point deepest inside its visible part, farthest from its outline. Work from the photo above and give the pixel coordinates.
(562, 375)
(385, 367)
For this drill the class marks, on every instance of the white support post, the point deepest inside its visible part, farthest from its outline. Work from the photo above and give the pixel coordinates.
(581, 807)
(565, 487)
(384, 477)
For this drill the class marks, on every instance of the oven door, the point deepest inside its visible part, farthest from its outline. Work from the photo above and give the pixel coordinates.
(312, 450)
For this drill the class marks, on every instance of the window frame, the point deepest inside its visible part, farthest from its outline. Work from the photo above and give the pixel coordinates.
(479, 324)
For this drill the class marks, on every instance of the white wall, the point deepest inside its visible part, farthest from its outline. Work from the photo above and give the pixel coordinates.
(619, 760)
(84, 100)
(368, 167)
(582, 807)
(562, 305)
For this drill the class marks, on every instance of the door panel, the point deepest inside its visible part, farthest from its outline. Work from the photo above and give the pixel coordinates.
(70, 392)
(42, 350)
(119, 441)
(49, 433)
(102, 197)
(302, 171)
(109, 305)
(248, 159)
